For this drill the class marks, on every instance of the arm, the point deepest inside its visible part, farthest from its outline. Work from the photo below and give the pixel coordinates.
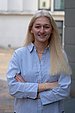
(19, 89)
(46, 86)
(41, 86)
(58, 93)
(51, 92)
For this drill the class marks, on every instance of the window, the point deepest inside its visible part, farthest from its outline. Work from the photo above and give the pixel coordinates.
(15, 5)
(60, 27)
(30, 5)
(3, 5)
(44, 4)
(58, 5)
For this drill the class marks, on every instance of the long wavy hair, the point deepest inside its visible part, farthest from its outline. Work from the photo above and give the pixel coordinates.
(58, 59)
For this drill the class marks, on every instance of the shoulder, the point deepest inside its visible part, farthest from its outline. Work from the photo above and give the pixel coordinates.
(23, 51)
(19, 52)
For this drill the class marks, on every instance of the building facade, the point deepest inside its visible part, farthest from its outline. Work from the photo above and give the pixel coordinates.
(16, 14)
(69, 46)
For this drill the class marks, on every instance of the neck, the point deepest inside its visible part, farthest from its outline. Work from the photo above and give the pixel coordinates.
(40, 46)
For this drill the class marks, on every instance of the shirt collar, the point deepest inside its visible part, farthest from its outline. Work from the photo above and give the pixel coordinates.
(31, 47)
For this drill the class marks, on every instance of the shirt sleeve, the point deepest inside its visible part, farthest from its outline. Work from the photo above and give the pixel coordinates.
(58, 93)
(19, 89)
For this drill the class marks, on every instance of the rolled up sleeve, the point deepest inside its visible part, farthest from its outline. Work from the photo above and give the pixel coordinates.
(19, 89)
(58, 93)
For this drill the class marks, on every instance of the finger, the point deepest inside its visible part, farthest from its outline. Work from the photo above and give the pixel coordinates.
(19, 79)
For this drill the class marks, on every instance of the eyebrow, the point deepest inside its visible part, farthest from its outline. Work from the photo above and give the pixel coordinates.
(42, 24)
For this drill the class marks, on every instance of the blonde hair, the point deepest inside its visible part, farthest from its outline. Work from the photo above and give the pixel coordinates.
(59, 62)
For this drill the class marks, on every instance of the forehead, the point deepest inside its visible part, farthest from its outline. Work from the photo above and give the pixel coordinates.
(42, 20)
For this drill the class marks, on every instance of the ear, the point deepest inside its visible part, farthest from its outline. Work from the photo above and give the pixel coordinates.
(31, 31)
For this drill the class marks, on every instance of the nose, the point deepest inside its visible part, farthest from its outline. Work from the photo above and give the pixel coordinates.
(42, 29)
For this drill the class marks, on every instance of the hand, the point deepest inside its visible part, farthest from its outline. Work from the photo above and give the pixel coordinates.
(19, 78)
(47, 86)
(51, 85)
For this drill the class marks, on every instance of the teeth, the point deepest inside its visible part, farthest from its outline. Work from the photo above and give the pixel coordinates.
(41, 35)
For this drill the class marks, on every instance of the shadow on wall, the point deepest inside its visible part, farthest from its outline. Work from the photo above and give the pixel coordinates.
(6, 101)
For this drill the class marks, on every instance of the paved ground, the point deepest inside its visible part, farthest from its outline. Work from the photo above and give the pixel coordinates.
(5, 55)
(6, 101)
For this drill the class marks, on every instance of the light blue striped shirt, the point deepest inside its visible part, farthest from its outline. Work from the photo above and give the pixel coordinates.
(26, 61)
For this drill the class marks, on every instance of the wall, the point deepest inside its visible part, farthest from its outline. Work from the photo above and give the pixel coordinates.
(13, 30)
(70, 48)
(14, 18)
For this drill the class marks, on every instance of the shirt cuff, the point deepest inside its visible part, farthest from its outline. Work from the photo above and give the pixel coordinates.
(32, 92)
(47, 97)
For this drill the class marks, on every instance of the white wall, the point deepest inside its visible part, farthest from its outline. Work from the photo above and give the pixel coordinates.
(30, 5)
(18, 5)
(14, 18)
(13, 30)
(3, 5)
(15, 5)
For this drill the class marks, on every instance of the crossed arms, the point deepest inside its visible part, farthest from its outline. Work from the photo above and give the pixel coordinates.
(41, 86)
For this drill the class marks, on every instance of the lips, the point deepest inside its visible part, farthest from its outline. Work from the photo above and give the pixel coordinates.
(42, 36)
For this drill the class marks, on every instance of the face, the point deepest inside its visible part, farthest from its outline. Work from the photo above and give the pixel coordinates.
(41, 29)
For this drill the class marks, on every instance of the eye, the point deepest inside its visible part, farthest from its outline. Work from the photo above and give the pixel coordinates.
(46, 27)
(37, 26)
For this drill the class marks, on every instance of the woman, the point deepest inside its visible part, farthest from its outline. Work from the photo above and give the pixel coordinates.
(39, 74)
